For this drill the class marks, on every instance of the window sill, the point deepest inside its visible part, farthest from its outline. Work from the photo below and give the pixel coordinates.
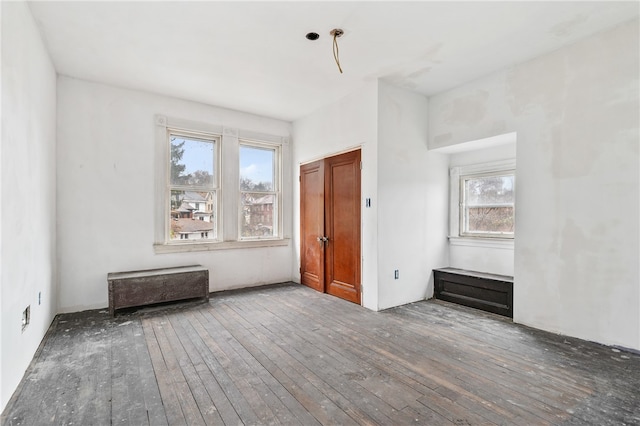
(499, 243)
(160, 248)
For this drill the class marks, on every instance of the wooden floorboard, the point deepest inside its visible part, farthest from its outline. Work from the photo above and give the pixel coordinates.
(287, 355)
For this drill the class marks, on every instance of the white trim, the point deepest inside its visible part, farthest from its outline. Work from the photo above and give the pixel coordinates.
(223, 245)
(227, 183)
(491, 167)
(276, 146)
(262, 137)
(230, 131)
(188, 125)
(498, 243)
(344, 151)
(214, 188)
(455, 175)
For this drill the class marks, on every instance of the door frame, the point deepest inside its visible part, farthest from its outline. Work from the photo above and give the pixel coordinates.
(361, 221)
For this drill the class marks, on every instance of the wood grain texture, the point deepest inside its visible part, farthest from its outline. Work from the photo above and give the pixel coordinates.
(342, 225)
(289, 355)
(330, 225)
(312, 225)
(152, 286)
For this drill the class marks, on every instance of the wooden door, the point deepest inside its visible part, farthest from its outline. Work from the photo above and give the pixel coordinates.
(330, 225)
(312, 225)
(342, 226)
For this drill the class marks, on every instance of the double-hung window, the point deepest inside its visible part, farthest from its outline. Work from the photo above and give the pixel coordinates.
(218, 187)
(483, 201)
(192, 188)
(259, 190)
(487, 207)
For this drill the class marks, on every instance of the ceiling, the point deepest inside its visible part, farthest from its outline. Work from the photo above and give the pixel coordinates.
(254, 57)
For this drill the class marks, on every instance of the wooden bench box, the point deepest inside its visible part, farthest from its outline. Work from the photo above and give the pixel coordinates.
(146, 287)
(488, 292)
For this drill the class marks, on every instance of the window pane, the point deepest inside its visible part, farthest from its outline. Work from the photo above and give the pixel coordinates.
(193, 215)
(192, 161)
(257, 216)
(490, 220)
(257, 168)
(489, 205)
(489, 190)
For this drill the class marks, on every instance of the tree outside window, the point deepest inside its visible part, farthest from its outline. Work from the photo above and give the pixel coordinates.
(488, 205)
(192, 187)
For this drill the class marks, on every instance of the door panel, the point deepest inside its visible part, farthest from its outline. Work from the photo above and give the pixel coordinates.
(312, 224)
(342, 204)
(330, 208)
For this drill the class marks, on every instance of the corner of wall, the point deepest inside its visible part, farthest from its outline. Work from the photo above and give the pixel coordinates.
(2, 399)
(412, 199)
(348, 123)
(577, 136)
(28, 218)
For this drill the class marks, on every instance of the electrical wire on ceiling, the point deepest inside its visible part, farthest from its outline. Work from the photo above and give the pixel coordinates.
(336, 32)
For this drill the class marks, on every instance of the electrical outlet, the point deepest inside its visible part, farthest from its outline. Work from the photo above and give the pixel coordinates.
(396, 274)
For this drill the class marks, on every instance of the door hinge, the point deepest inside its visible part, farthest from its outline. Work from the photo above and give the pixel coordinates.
(299, 178)
(361, 165)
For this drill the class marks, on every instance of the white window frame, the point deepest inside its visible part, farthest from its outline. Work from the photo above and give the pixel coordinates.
(217, 141)
(228, 179)
(276, 191)
(457, 176)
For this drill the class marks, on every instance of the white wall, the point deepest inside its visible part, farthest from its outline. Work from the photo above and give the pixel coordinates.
(575, 112)
(28, 250)
(494, 257)
(412, 199)
(345, 125)
(406, 226)
(105, 190)
(2, 400)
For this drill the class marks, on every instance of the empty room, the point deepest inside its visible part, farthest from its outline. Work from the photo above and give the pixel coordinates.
(301, 212)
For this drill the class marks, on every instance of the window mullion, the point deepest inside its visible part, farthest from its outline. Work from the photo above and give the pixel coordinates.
(229, 182)
(183, 193)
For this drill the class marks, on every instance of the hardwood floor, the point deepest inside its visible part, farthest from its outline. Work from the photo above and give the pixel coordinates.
(290, 355)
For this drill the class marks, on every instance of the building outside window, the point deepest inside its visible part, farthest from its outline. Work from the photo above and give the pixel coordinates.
(192, 185)
(259, 190)
(218, 187)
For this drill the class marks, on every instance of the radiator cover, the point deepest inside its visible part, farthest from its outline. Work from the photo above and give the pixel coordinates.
(488, 292)
(151, 286)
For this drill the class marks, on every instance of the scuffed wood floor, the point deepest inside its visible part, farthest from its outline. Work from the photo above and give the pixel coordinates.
(289, 355)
